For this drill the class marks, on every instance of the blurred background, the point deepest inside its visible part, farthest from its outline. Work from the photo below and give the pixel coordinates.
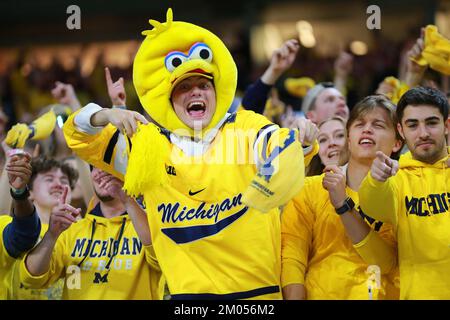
(37, 49)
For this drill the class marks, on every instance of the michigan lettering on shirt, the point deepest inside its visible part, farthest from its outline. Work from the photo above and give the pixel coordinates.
(231, 208)
(434, 203)
(106, 248)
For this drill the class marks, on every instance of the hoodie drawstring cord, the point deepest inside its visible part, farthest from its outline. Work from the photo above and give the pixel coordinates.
(119, 238)
(88, 250)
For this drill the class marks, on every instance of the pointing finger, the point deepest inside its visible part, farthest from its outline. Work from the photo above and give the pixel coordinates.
(64, 194)
(108, 77)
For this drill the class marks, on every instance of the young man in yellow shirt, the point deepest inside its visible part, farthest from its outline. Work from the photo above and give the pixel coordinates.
(328, 243)
(100, 256)
(413, 195)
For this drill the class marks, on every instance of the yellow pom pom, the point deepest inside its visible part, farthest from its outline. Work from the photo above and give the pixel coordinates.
(146, 163)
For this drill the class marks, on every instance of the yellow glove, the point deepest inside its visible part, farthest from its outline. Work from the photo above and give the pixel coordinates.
(436, 52)
(18, 135)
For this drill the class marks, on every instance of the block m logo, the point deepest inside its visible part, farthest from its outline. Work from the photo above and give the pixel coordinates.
(100, 279)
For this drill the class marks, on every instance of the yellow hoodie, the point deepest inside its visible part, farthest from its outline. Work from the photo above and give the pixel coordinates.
(416, 201)
(317, 253)
(84, 252)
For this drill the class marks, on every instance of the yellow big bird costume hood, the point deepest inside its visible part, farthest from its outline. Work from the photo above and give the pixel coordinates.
(157, 69)
(171, 52)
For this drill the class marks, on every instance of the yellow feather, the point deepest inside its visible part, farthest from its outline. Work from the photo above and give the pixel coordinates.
(150, 150)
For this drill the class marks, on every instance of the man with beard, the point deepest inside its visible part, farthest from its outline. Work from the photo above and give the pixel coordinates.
(413, 195)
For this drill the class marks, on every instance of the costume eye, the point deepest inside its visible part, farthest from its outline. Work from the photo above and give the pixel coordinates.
(200, 51)
(174, 60)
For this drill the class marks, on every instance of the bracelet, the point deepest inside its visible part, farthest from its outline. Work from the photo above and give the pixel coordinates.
(347, 206)
(20, 194)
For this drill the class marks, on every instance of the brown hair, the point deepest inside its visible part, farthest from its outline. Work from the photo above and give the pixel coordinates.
(43, 165)
(316, 166)
(369, 104)
(337, 118)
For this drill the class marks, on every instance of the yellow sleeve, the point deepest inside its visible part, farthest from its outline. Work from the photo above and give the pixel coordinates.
(55, 271)
(379, 199)
(280, 164)
(297, 222)
(107, 149)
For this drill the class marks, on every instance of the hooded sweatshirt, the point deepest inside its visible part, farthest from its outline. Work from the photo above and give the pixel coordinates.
(416, 201)
(101, 259)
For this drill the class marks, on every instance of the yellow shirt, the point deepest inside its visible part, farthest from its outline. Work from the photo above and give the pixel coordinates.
(84, 252)
(317, 253)
(208, 243)
(416, 201)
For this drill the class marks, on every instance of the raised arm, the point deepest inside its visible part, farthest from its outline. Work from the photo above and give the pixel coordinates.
(255, 97)
(368, 243)
(95, 134)
(38, 260)
(23, 232)
(65, 94)
(377, 193)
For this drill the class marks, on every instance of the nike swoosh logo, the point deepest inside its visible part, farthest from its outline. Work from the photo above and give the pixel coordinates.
(188, 234)
(194, 193)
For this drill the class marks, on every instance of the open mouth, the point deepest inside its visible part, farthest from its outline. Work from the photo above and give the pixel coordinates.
(196, 109)
(366, 142)
(333, 154)
(341, 113)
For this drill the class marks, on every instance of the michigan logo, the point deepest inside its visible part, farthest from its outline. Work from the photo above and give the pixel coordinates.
(100, 279)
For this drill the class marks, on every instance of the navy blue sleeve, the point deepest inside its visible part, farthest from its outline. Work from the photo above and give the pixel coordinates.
(255, 97)
(21, 234)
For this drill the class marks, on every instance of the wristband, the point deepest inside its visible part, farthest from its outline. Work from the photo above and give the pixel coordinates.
(19, 194)
(347, 206)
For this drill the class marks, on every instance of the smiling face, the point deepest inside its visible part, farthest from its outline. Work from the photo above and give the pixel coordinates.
(372, 131)
(423, 128)
(47, 188)
(194, 101)
(332, 141)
